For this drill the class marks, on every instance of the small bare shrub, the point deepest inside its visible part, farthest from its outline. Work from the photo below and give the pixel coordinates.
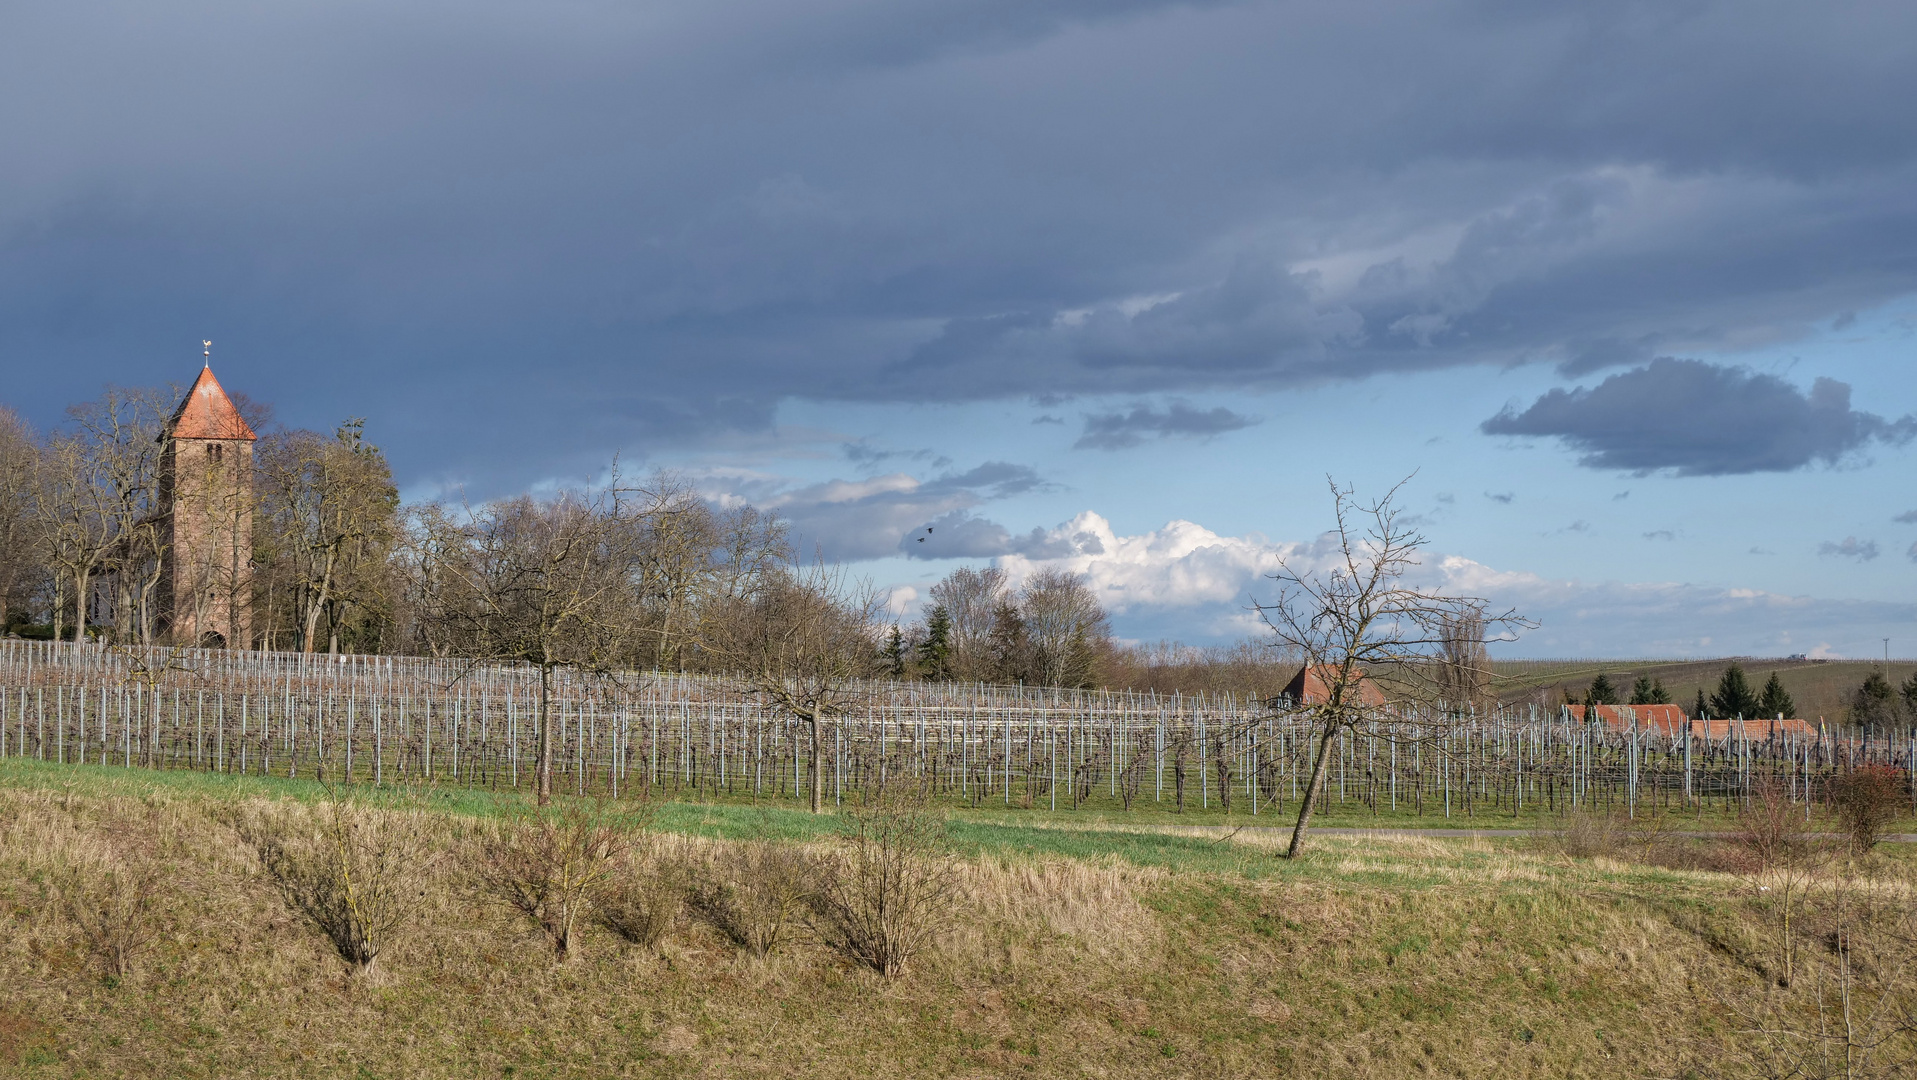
(112, 902)
(888, 890)
(1786, 859)
(1773, 829)
(550, 863)
(1868, 800)
(641, 900)
(753, 893)
(1582, 834)
(352, 873)
(1850, 1010)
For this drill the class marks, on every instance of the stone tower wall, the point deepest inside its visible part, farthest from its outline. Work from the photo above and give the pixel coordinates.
(207, 485)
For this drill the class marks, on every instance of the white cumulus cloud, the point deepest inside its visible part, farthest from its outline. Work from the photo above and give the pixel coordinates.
(1203, 584)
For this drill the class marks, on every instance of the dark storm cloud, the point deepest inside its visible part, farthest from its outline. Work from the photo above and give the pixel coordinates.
(1849, 548)
(957, 535)
(963, 535)
(521, 236)
(1119, 430)
(864, 519)
(994, 480)
(1700, 419)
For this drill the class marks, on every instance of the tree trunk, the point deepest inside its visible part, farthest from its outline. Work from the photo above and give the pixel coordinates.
(542, 768)
(319, 604)
(818, 764)
(80, 606)
(1317, 784)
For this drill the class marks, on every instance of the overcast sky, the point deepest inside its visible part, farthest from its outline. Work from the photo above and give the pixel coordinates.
(1632, 287)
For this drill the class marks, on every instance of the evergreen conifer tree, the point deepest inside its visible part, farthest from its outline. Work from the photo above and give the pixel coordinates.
(892, 660)
(1010, 645)
(1700, 710)
(1601, 692)
(1734, 696)
(1776, 701)
(1659, 695)
(1641, 691)
(935, 652)
(1876, 703)
(1909, 690)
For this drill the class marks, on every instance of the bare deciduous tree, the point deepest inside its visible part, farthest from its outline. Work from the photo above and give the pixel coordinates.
(98, 507)
(1065, 626)
(1849, 1009)
(1358, 625)
(550, 583)
(970, 599)
(329, 516)
(803, 644)
(1464, 664)
(19, 466)
(112, 902)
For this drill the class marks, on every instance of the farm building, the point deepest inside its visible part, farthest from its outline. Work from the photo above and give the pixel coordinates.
(1312, 686)
(1671, 720)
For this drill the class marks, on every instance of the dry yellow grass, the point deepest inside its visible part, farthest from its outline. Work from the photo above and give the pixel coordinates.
(1378, 957)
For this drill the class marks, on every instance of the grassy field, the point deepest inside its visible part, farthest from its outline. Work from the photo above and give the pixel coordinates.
(1074, 947)
(1820, 688)
(739, 816)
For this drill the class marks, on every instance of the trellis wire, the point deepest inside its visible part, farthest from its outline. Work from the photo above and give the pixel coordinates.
(383, 719)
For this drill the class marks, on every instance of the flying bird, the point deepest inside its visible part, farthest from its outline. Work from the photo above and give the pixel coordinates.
(928, 532)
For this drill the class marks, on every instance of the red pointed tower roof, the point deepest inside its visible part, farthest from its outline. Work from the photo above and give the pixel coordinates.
(207, 413)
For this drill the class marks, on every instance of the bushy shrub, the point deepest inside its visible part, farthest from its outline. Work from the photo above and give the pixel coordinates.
(548, 864)
(111, 900)
(888, 890)
(1774, 831)
(1868, 799)
(753, 893)
(641, 900)
(1582, 834)
(351, 874)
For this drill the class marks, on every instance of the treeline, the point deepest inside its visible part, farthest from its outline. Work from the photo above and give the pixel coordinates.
(633, 574)
(645, 574)
(85, 538)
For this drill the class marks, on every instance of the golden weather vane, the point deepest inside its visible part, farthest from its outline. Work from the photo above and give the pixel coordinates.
(206, 358)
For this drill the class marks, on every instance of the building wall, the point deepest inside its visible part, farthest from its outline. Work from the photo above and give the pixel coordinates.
(207, 488)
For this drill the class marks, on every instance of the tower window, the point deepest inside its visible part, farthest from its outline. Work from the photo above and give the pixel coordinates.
(214, 452)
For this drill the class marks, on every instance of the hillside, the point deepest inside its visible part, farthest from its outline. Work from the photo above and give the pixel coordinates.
(1067, 952)
(1821, 688)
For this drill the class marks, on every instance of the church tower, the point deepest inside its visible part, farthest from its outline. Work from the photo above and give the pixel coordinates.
(206, 490)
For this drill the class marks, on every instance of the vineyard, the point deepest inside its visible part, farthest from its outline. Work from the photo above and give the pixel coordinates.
(393, 720)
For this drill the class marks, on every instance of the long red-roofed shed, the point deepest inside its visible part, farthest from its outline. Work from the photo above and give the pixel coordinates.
(1671, 720)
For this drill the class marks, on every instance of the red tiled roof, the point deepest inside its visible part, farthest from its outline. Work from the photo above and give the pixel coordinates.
(1760, 728)
(1665, 719)
(1670, 720)
(207, 413)
(1312, 686)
